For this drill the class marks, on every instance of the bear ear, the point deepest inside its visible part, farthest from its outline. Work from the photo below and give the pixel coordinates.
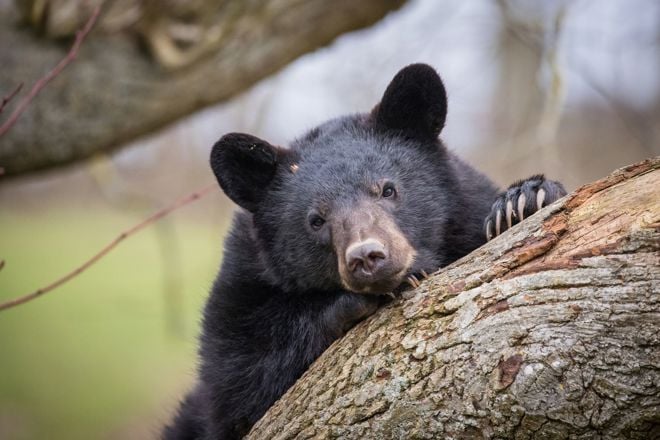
(244, 166)
(415, 103)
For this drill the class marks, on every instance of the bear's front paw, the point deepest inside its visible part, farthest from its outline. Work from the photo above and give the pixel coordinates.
(349, 309)
(519, 201)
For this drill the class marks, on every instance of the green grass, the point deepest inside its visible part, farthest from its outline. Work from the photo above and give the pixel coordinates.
(96, 358)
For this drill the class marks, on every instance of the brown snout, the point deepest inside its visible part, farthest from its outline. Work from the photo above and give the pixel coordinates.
(373, 253)
(367, 258)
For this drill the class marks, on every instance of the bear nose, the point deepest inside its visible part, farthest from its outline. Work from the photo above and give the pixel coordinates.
(366, 257)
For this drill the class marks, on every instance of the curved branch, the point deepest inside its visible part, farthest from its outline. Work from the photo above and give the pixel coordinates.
(114, 92)
(39, 85)
(107, 248)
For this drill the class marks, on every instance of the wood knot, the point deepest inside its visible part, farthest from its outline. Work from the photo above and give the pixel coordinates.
(499, 307)
(508, 370)
(383, 373)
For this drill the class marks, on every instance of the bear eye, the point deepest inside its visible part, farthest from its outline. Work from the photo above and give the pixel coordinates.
(388, 190)
(316, 222)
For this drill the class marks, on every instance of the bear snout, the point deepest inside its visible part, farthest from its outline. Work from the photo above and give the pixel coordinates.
(370, 267)
(366, 259)
(373, 254)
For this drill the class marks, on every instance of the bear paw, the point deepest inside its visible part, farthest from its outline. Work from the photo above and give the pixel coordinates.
(348, 310)
(519, 201)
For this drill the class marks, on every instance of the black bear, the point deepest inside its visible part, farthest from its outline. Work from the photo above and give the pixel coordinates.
(346, 215)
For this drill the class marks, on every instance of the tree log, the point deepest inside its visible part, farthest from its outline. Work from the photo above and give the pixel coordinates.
(550, 331)
(115, 91)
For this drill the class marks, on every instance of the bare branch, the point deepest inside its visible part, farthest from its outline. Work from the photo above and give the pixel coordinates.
(96, 257)
(10, 96)
(39, 85)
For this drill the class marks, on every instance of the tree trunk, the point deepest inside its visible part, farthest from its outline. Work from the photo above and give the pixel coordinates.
(550, 331)
(115, 91)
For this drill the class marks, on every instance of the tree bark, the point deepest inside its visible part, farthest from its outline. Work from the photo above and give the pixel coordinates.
(550, 331)
(116, 90)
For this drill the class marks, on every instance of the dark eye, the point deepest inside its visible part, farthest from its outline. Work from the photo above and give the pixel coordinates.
(388, 190)
(316, 222)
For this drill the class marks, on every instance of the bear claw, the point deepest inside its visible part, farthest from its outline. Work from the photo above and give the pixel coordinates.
(413, 281)
(527, 196)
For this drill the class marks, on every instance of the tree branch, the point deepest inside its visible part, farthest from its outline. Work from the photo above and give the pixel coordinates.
(125, 93)
(10, 96)
(106, 249)
(548, 331)
(39, 85)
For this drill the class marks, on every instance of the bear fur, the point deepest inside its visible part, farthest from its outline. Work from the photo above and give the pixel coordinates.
(327, 228)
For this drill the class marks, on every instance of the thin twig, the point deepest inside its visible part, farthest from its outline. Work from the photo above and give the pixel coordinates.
(96, 257)
(9, 97)
(39, 85)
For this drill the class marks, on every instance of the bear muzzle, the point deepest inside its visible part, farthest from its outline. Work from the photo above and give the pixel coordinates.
(374, 256)
(367, 259)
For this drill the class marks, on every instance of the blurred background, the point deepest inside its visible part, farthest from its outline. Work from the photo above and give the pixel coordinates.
(567, 88)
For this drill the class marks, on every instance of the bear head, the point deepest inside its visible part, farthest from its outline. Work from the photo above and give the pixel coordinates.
(358, 203)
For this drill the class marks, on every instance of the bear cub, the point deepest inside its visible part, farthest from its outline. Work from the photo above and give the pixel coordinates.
(328, 227)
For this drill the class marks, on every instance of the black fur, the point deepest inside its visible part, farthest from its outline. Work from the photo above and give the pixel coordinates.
(415, 103)
(280, 299)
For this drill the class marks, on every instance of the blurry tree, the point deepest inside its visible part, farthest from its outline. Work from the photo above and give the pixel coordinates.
(559, 99)
(149, 63)
(527, 114)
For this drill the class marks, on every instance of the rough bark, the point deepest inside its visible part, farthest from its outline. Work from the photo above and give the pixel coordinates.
(550, 331)
(197, 54)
